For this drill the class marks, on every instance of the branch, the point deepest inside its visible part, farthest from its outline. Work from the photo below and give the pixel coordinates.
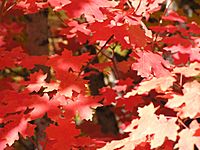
(100, 51)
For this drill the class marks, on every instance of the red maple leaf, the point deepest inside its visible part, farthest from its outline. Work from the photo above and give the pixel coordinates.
(58, 4)
(108, 95)
(146, 7)
(80, 105)
(70, 82)
(192, 52)
(18, 124)
(162, 29)
(90, 9)
(124, 34)
(17, 57)
(62, 136)
(131, 103)
(173, 16)
(177, 40)
(37, 81)
(75, 29)
(66, 61)
(151, 64)
(148, 124)
(187, 139)
(189, 71)
(159, 84)
(188, 103)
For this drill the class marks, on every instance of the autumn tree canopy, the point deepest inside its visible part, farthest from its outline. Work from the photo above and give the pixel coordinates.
(99, 74)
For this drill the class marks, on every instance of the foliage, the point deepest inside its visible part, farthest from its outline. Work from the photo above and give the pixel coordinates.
(119, 75)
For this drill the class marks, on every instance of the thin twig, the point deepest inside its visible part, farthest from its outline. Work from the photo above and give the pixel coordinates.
(111, 37)
(116, 71)
(100, 51)
(160, 22)
(9, 8)
(181, 80)
(59, 17)
(3, 4)
(181, 122)
(138, 6)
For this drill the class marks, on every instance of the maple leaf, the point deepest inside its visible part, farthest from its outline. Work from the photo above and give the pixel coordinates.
(97, 28)
(159, 84)
(131, 103)
(190, 99)
(150, 64)
(162, 29)
(80, 105)
(62, 136)
(177, 41)
(37, 81)
(108, 95)
(173, 16)
(194, 28)
(122, 85)
(9, 104)
(33, 106)
(193, 52)
(29, 62)
(7, 84)
(30, 6)
(70, 82)
(63, 63)
(18, 124)
(140, 40)
(75, 29)
(187, 139)
(9, 59)
(146, 7)
(102, 66)
(90, 9)
(58, 4)
(148, 124)
(192, 70)
(120, 16)
(17, 57)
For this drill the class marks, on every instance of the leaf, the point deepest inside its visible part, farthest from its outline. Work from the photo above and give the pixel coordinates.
(148, 124)
(75, 29)
(192, 52)
(58, 4)
(62, 136)
(124, 34)
(182, 44)
(188, 102)
(187, 139)
(162, 29)
(37, 81)
(131, 103)
(140, 40)
(146, 7)
(66, 61)
(173, 16)
(17, 57)
(159, 84)
(189, 71)
(70, 82)
(108, 95)
(90, 9)
(150, 64)
(123, 85)
(9, 133)
(80, 105)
